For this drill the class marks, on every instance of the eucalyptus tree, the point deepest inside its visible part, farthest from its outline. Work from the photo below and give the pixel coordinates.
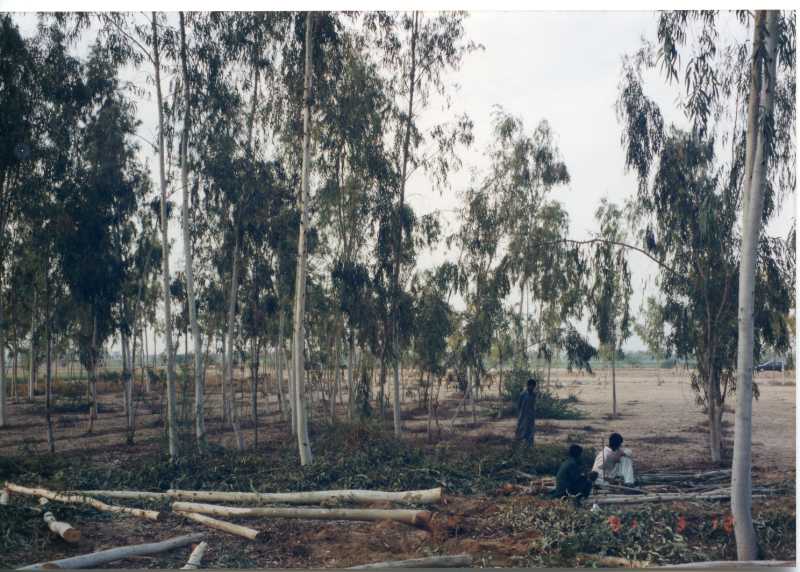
(651, 331)
(526, 168)
(434, 323)
(354, 165)
(725, 81)
(611, 291)
(418, 51)
(20, 106)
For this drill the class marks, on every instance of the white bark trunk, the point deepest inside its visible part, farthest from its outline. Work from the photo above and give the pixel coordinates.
(196, 557)
(200, 426)
(752, 207)
(3, 409)
(313, 497)
(106, 556)
(82, 499)
(236, 529)
(62, 529)
(237, 428)
(172, 405)
(408, 516)
(303, 441)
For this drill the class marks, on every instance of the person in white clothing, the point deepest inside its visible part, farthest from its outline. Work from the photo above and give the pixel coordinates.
(614, 461)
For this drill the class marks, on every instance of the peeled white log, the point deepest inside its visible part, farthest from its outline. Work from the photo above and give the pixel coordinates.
(236, 529)
(80, 499)
(415, 517)
(665, 497)
(4, 497)
(62, 529)
(106, 556)
(738, 564)
(196, 556)
(314, 497)
(431, 562)
(43, 501)
(617, 562)
(132, 495)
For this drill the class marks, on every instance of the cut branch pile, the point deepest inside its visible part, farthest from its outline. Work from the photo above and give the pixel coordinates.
(656, 487)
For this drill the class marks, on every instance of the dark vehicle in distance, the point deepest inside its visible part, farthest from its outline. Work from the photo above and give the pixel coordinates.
(770, 366)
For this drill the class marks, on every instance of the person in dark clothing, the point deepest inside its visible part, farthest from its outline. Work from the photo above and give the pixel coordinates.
(526, 426)
(569, 480)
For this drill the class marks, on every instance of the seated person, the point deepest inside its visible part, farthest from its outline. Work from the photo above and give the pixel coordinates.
(569, 480)
(613, 462)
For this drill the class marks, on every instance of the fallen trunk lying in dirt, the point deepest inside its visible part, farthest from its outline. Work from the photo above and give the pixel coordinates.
(439, 524)
(430, 496)
(431, 562)
(196, 556)
(236, 529)
(80, 499)
(114, 554)
(738, 564)
(62, 529)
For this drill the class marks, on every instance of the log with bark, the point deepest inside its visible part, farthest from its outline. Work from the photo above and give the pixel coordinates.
(81, 499)
(617, 562)
(738, 564)
(62, 529)
(231, 528)
(314, 497)
(460, 561)
(196, 556)
(114, 554)
(440, 525)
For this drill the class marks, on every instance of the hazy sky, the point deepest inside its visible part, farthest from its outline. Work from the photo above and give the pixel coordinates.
(560, 66)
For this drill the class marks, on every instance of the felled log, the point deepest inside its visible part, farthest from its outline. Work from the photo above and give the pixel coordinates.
(196, 556)
(236, 529)
(666, 497)
(62, 529)
(81, 499)
(617, 562)
(314, 497)
(130, 495)
(431, 562)
(43, 501)
(738, 564)
(4, 496)
(114, 554)
(440, 525)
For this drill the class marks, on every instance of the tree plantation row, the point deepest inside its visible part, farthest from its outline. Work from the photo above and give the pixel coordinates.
(284, 144)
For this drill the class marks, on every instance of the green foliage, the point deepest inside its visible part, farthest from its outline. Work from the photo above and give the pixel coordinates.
(549, 405)
(569, 531)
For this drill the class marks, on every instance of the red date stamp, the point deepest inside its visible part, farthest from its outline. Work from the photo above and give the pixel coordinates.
(680, 524)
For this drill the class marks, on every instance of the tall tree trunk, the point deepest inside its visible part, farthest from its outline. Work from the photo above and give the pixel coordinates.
(237, 428)
(302, 256)
(351, 403)
(31, 377)
(224, 387)
(713, 435)
(500, 381)
(279, 355)
(200, 425)
(752, 207)
(3, 406)
(337, 374)
(614, 377)
(398, 428)
(172, 404)
(16, 355)
(51, 444)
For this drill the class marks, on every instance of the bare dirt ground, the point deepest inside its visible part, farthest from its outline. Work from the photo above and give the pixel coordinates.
(661, 423)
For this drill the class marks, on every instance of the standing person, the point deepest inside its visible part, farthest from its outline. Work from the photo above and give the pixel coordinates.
(569, 480)
(614, 461)
(526, 426)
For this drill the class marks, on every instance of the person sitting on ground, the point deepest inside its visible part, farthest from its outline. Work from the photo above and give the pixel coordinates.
(614, 462)
(569, 480)
(526, 424)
